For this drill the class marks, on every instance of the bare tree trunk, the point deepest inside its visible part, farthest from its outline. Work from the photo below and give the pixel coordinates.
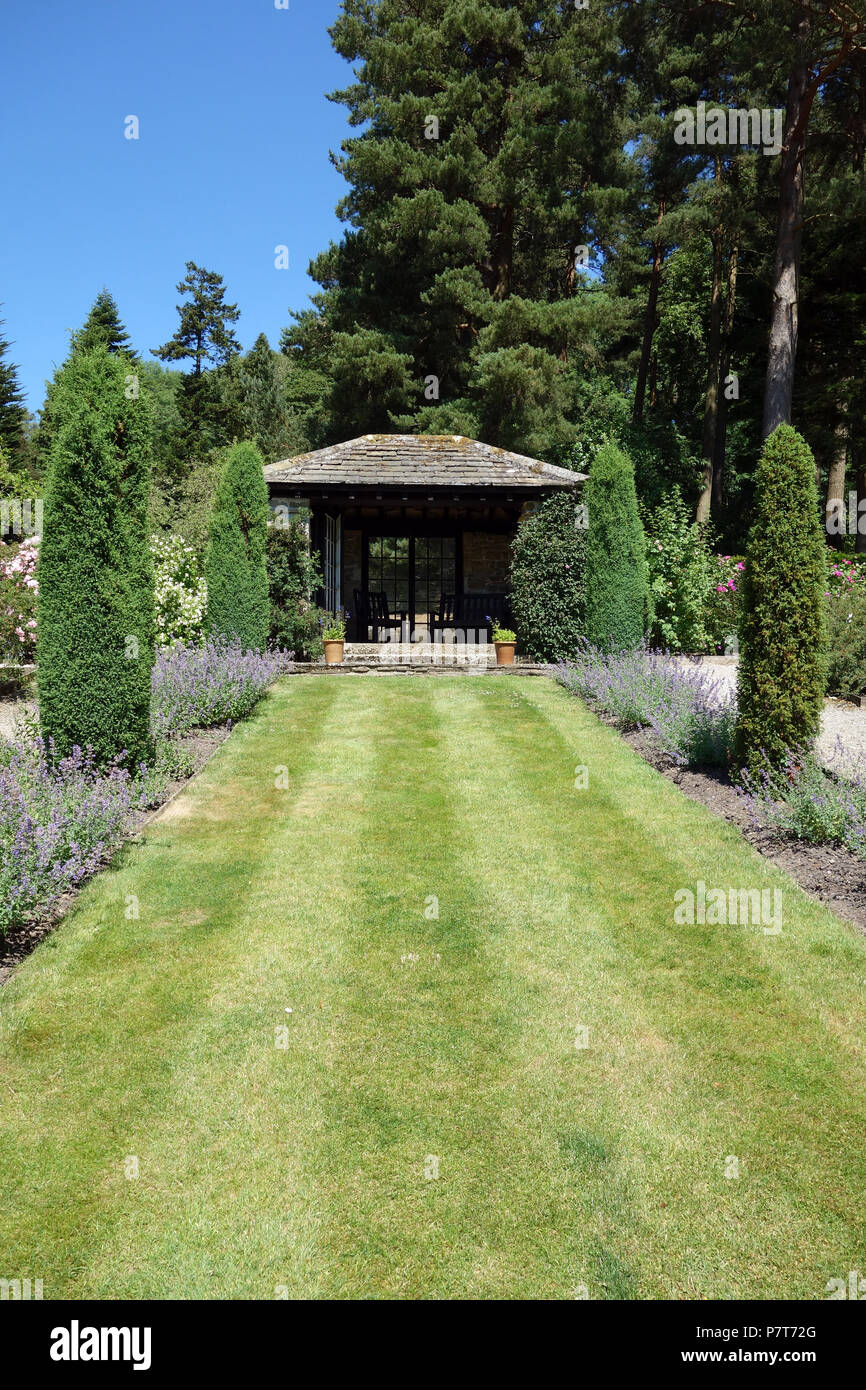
(649, 323)
(720, 448)
(860, 485)
(711, 405)
(836, 502)
(782, 353)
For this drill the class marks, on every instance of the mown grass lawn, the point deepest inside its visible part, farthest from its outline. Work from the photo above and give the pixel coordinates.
(421, 1043)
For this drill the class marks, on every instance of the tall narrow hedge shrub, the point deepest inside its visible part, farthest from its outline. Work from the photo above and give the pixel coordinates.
(95, 627)
(783, 639)
(547, 580)
(238, 605)
(617, 586)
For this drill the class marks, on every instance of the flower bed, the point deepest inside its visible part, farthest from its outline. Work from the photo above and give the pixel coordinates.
(60, 820)
(690, 713)
(212, 683)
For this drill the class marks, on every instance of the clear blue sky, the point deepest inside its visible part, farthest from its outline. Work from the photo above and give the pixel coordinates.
(232, 160)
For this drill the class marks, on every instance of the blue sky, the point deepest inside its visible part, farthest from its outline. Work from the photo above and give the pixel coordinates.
(232, 161)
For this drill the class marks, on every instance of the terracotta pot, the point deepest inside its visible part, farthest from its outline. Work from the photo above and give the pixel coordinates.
(334, 653)
(505, 653)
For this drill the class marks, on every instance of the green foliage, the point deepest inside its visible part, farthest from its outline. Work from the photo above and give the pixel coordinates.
(293, 577)
(547, 579)
(783, 637)
(236, 567)
(617, 589)
(184, 505)
(13, 411)
(503, 634)
(846, 625)
(334, 627)
(95, 619)
(682, 571)
(103, 328)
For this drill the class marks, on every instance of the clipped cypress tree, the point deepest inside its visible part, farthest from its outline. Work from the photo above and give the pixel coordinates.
(783, 637)
(547, 579)
(617, 586)
(95, 630)
(238, 605)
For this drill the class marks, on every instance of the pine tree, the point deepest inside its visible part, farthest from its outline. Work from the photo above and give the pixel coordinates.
(783, 639)
(492, 156)
(236, 569)
(13, 411)
(617, 588)
(95, 619)
(204, 336)
(103, 327)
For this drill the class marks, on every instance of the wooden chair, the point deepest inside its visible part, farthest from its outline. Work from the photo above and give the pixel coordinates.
(372, 615)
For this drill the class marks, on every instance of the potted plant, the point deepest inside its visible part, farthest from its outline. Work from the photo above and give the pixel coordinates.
(334, 637)
(504, 640)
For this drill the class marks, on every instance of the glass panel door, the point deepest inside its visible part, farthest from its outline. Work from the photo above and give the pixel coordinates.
(435, 573)
(389, 569)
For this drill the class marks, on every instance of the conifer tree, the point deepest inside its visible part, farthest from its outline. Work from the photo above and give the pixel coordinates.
(95, 630)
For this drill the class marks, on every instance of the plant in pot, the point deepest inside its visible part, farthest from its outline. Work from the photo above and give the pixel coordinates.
(504, 640)
(334, 636)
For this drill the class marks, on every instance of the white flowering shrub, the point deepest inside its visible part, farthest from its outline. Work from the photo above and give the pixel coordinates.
(180, 591)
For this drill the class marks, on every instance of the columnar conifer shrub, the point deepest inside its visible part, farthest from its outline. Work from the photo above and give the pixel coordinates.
(617, 588)
(783, 637)
(238, 607)
(547, 575)
(95, 615)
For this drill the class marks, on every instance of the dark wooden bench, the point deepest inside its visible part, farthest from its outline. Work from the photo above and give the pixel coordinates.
(471, 611)
(372, 615)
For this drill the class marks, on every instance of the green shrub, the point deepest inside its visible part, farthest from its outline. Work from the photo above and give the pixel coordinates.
(236, 567)
(293, 577)
(95, 628)
(617, 589)
(547, 565)
(846, 623)
(783, 636)
(682, 570)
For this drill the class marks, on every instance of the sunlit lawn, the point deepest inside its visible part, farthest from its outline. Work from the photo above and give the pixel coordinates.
(407, 865)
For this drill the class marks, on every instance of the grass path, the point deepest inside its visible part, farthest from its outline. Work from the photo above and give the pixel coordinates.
(407, 865)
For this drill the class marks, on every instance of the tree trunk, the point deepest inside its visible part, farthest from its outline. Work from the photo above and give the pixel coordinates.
(836, 510)
(649, 323)
(782, 353)
(720, 447)
(711, 405)
(502, 255)
(860, 484)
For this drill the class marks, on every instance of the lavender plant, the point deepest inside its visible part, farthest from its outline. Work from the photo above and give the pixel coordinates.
(690, 712)
(811, 802)
(58, 822)
(211, 683)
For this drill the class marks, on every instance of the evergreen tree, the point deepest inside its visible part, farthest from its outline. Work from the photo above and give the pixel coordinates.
(457, 298)
(236, 568)
(13, 411)
(206, 338)
(617, 588)
(547, 580)
(783, 640)
(103, 327)
(95, 620)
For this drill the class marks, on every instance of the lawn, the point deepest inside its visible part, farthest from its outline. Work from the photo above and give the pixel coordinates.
(409, 867)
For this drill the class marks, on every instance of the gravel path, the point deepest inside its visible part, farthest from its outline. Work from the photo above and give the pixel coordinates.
(843, 725)
(10, 712)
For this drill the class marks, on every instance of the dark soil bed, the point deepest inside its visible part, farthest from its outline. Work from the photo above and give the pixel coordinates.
(201, 745)
(830, 873)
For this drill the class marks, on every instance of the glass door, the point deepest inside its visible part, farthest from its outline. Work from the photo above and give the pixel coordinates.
(413, 572)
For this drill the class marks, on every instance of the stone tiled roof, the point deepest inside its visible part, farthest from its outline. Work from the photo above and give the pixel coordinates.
(397, 461)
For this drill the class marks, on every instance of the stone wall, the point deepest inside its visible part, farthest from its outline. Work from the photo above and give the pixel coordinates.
(486, 561)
